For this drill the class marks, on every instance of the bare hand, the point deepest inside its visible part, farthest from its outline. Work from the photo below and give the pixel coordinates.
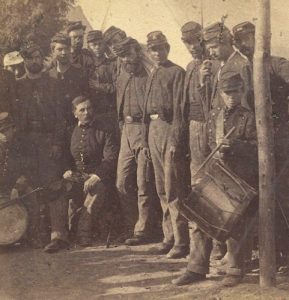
(67, 174)
(173, 151)
(3, 138)
(226, 145)
(90, 183)
(205, 71)
(147, 153)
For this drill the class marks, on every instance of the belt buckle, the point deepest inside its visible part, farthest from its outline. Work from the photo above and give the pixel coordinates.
(129, 119)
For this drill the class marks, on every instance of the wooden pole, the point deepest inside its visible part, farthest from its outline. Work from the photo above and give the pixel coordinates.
(263, 109)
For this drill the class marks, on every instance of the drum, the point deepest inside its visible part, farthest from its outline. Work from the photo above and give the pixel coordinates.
(13, 221)
(218, 202)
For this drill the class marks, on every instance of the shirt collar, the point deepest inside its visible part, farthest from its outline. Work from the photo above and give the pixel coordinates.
(230, 57)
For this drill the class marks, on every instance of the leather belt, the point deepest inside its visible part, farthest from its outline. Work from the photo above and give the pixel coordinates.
(154, 117)
(130, 119)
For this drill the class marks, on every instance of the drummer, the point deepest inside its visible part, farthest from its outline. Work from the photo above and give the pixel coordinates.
(241, 147)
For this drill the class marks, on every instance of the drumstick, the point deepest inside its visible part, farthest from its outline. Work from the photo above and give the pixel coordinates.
(214, 151)
(11, 202)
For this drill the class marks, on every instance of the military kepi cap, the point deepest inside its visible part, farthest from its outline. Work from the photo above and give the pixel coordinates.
(94, 35)
(156, 38)
(216, 31)
(61, 38)
(191, 30)
(12, 58)
(243, 28)
(111, 32)
(28, 49)
(75, 25)
(123, 47)
(231, 82)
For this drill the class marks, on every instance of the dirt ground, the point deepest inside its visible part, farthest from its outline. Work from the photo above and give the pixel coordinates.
(120, 272)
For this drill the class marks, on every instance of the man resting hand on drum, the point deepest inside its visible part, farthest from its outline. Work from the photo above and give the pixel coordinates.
(239, 154)
(94, 152)
(11, 182)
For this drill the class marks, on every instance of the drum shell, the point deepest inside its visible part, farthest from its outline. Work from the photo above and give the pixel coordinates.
(13, 223)
(218, 202)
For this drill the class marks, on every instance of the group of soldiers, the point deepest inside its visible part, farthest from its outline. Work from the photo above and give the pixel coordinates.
(122, 115)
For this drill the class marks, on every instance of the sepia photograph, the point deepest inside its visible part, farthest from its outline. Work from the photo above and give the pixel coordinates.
(144, 149)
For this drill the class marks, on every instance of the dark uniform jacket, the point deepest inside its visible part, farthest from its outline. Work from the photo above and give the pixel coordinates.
(70, 84)
(104, 96)
(241, 158)
(94, 151)
(84, 58)
(164, 94)
(38, 107)
(10, 164)
(236, 64)
(7, 91)
(196, 100)
(139, 83)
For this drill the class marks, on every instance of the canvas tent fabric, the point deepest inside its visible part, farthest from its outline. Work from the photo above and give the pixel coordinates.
(138, 18)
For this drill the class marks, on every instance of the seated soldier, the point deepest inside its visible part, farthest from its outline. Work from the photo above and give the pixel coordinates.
(239, 153)
(94, 152)
(11, 181)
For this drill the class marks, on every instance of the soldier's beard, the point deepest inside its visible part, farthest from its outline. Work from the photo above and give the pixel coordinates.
(34, 68)
(132, 67)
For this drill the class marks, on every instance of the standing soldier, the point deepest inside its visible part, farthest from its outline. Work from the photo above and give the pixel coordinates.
(133, 161)
(196, 107)
(219, 43)
(102, 81)
(41, 128)
(244, 37)
(164, 92)
(238, 153)
(80, 55)
(7, 91)
(112, 36)
(69, 78)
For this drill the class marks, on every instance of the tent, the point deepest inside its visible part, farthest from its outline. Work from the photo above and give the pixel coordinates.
(138, 18)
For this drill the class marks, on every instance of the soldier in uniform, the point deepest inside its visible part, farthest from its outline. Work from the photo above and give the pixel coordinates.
(244, 37)
(219, 44)
(196, 106)
(95, 155)
(7, 91)
(12, 182)
(112, 36)
(69, 77)
(102, 82)
(132, 161)
(40, 127)
(80, 55)
(239, 154)
(164, 92)
(13, 62)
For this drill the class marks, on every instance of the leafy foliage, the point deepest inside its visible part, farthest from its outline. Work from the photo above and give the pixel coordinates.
(31, 20)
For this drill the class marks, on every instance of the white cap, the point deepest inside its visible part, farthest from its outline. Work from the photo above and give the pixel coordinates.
(12, 58)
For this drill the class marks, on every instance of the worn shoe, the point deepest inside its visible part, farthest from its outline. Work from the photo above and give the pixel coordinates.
(231, 280)
(160, 250)
(178, 252)
(136, 240)
(56, 245)
(188, 278)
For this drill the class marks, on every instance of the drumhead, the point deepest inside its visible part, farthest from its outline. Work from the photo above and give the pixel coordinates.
(13, 224)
